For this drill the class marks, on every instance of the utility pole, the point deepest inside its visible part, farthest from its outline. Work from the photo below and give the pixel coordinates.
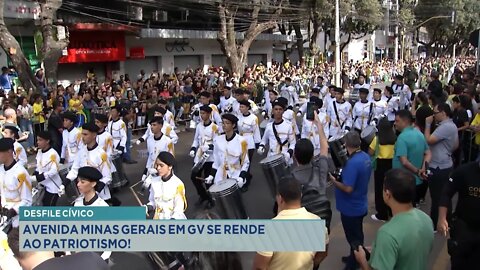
(395, 56)
(337, 44)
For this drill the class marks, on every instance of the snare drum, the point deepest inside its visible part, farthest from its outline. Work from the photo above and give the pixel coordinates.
(274, 168)
(119, 178)
(38, 193)
(368, 134)
(228, 200)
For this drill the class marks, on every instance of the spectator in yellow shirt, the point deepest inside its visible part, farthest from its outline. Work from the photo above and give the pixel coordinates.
(38, 116)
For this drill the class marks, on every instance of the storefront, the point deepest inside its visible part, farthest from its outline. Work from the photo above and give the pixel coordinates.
(99, 50)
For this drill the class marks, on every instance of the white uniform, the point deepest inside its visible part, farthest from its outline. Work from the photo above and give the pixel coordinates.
(363, 114)
(169, 118)
(366, 86)
(327, 101)
(380, 108)
(15, 188)
(249, 129)
(230, 157)
(98, 159)
(404, 94)
(168, 198)
(393, 105)
(214, 116)
(71, 144)
(167, 130)
(204, 136)
(157, 145)
(337, 128)
(286, 135)
(105, 141)
(310, 130)
(290, 93)
(96, 202)
(118, 129)
(47, 168)
(19, 154)
(226, 103)
(236, 108)
(290, 115)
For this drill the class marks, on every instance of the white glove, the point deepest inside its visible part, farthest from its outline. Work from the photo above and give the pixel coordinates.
(209, 180)
(261, 150)
(204, 148)
(147, 182)
(61, 191)
(241, 182)
(192, 153)
(144, 177)
(263, 113)
(287, 157)
(299, 114)
(33, 179)
(138, 142)
(263, 101)
(152, 171)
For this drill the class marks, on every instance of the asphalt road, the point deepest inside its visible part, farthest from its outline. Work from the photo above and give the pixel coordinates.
(258, 204)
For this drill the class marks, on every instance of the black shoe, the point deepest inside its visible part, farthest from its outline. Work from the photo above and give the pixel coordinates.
(345, 259)
(130, 161)
(210, 204)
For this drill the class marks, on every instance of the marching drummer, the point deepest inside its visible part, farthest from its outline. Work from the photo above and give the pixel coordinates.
(92, 155)
(203, 140)
(230, 154)
(104, 138)
(380, 103)
(47, 169)
(72, 139)
(205, 100)
(268, 109)
(279, 134)
(167, 129)
(156, 143)
(89, 180)
(289, 115)
(393, 104)
(288, 90)
(168, 117)
(340, 114)
(363, 112)
(16, 189)
(248, 128)
(118, 129)
(226, 100)
(18, 151)
(329, 97)
(167, 192)
(315, 92)
(309, 127)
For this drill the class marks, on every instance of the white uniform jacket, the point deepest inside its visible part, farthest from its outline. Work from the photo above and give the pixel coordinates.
(363, 114)
(118, 129)
(226, 104)
(344, 109)
(205, 136)
(15, 188)
(19, 154)
(230, 157)
(167, 130)
(71, 144)
(169, 118)
(168, 198)
(310, 130)
(157, 145)
(404, 94)
(393, 105)
(290, 93)
(287, 138)
(380, 108)
(98, 159)
(47, 169)
(249, 129)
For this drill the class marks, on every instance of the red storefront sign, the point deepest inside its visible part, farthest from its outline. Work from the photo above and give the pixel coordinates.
(95, 46)
(137, 53)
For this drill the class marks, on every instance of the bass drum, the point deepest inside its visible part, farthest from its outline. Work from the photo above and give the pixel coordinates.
(368, 134)
(228, 200)
(71, 190)
(338, 151)
(274, 168)
(164, 260)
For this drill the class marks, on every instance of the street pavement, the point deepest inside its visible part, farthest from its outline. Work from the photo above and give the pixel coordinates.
(258, 203)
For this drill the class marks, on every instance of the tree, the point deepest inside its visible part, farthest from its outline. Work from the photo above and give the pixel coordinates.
(51, 49)
(230, 13)
(12, 48)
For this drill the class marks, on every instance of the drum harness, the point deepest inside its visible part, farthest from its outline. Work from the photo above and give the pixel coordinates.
(370, 115)
(336, 114)
(279, 141)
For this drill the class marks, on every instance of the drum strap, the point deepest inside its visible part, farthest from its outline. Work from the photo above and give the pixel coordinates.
(279, 141)
(370, 114)
(336, 114)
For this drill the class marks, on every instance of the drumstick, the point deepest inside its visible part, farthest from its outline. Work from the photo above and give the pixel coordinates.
(201, 179)
(136, 197)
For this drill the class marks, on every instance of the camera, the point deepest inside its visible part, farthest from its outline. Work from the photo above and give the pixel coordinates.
(337, 174)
